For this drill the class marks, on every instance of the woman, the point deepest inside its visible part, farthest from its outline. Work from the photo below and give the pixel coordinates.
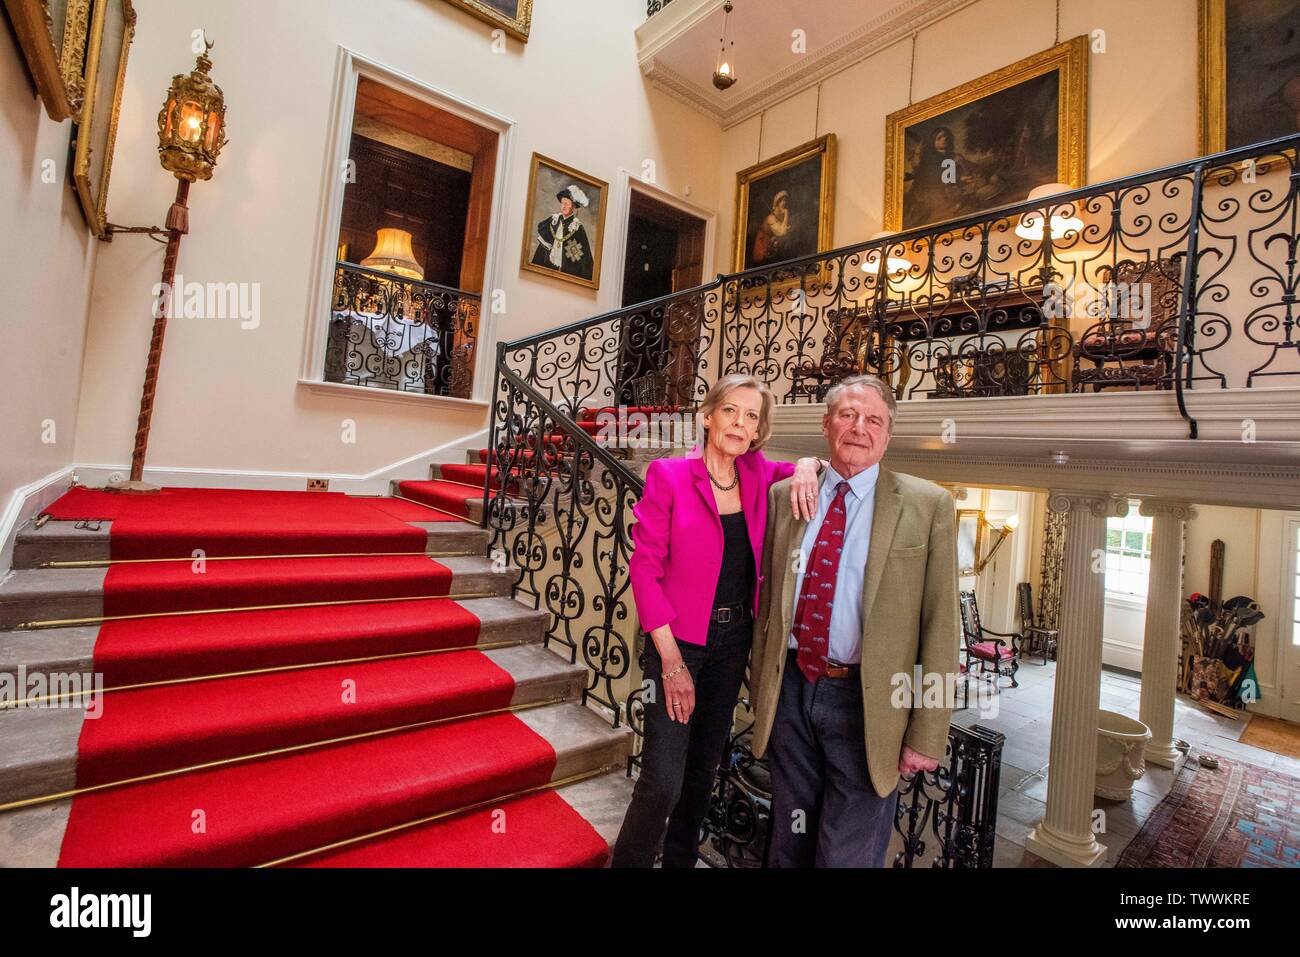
(773, 230)
(698, 542)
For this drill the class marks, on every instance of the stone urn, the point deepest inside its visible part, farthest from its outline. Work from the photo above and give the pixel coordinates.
(1121, 743)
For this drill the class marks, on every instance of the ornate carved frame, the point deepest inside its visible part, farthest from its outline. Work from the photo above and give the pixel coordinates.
(55, 57)
(94, 195)
(1070, 58)
(518, 26)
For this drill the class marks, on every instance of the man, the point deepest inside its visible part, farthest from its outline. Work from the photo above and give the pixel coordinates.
(561, 239)
(851, 603)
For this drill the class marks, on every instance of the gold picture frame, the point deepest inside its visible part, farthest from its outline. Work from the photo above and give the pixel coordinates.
(823, 149)
(52, 35)
(1069, 58)
(518, 25)
(542, 208)
(112, 30)
(1212, 79)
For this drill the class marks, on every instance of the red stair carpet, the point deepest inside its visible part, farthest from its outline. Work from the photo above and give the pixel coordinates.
(174, 586)
(537, 830)
(331, 723)
(256, 812)
(447, 496)
(176, 521)
(161, 649)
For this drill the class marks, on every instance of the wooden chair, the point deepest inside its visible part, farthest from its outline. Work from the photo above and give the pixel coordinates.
(1123, 354)
(983, 655)
(1038, 641)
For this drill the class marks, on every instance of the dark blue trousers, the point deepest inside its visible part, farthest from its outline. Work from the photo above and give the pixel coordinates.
(825, 811)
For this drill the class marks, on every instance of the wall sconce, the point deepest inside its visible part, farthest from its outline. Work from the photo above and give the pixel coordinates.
(895, 266)
(1063, 221)
(1008, 526)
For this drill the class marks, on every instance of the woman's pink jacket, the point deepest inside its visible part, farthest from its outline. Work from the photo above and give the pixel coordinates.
(678, 539)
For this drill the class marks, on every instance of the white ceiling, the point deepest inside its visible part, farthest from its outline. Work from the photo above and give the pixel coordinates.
(680, 52)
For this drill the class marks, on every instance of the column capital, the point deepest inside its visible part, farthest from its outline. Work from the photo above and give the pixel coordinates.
(1167, 508)
(1100, 504)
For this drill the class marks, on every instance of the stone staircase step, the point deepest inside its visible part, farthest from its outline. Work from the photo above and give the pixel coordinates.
(70, 651)
(42, 594)
(38, 745)
(34, 836)
(58, 541)
(62, 542)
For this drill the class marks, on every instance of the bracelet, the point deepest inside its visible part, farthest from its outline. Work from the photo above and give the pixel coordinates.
(676, 671)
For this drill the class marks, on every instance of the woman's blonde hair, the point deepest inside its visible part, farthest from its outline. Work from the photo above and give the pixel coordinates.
(738, 380)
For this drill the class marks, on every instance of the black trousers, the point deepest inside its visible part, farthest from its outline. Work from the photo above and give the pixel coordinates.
(679, 761)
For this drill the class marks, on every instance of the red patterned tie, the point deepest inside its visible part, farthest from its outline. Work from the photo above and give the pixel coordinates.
(812, 618)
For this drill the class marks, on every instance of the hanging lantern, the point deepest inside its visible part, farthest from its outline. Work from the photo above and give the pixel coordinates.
(724, 76)
(192, 125)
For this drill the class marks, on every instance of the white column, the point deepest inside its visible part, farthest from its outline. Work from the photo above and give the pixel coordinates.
(1161, 644)
(1064, 836)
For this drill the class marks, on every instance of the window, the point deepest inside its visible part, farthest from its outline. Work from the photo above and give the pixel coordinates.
(1128, 553)
(1295, 567)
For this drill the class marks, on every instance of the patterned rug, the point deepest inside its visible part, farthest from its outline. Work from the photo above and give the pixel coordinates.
(1237, 815)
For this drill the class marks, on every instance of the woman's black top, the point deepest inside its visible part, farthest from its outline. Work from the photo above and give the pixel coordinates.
(736, 577)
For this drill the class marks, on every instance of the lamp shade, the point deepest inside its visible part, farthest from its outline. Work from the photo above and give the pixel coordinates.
(1063, 219)
(192, 124)
(894, 265)
(393, 253)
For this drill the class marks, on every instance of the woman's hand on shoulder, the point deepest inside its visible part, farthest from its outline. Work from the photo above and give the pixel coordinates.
(804, 488)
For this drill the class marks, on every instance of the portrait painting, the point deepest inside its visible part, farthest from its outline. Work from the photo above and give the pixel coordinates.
(988, 142)
(515, 17)
(785, 205)
(564, 227)
(1249, 72)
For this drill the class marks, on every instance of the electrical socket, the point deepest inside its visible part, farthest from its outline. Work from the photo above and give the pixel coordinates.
(318, 485)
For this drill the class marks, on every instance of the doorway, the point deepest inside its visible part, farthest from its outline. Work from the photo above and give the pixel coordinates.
(664, 254)
(412, 246)
(665, 250)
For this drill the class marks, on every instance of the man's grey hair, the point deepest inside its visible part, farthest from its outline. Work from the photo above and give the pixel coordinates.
(863, 381)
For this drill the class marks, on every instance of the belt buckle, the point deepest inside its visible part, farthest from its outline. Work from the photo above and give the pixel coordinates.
(722, 616)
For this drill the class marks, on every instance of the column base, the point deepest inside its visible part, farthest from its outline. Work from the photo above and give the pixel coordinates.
(1064, 851)
(1164, 754)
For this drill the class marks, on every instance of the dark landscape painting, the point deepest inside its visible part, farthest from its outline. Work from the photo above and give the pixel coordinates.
(982, 154)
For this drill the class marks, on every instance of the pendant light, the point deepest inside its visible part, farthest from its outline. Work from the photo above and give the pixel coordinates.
(724, 77)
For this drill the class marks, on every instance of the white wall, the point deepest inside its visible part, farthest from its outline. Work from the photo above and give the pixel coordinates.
(47, 257)
(228, 397)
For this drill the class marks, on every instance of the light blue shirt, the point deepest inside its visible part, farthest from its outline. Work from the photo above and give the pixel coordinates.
(846, 610)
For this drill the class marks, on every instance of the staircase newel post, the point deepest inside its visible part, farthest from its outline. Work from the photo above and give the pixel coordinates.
(492, 439)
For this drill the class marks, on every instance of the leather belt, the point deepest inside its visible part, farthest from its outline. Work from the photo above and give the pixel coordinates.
(834, 669)
(729, 613)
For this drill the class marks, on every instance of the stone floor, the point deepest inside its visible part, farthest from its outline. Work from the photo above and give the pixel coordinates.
(1025, 716)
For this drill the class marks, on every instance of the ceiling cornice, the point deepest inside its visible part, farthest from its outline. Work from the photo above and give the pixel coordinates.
(870, 38)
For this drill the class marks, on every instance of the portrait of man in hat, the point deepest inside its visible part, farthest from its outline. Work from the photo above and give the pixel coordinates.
(562, 241)
(564, 225)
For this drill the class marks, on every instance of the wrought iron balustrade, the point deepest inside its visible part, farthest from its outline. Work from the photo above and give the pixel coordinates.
(946, 817)
(390, 332)
(654, 6)
(1179, 278)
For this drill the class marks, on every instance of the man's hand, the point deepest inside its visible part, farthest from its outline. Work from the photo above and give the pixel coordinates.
(909, 762)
